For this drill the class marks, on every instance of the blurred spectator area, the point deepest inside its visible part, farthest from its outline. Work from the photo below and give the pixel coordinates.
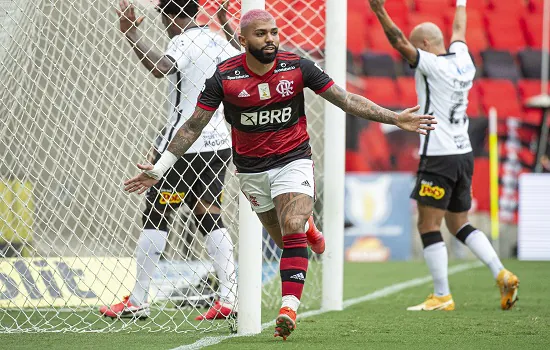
(505, 42)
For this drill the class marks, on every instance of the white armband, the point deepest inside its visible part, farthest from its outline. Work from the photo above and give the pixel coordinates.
(166, 161)
(460, 3)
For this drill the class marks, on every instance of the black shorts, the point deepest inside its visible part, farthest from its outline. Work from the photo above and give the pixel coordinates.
(194, 176)
(445, 182)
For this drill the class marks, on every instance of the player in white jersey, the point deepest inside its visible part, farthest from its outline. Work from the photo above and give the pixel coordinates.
(443, 188)
(197, 178)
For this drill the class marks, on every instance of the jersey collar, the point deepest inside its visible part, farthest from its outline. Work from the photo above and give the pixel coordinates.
(249, 71)
(205, 26)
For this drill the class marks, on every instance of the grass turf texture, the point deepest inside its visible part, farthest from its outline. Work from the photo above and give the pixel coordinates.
(477, 323)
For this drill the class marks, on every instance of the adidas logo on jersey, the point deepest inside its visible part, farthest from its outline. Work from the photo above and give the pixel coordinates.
(243, 94)
(299, 276)
(306, 183)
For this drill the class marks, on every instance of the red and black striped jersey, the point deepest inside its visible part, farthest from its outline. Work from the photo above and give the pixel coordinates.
(266, 113)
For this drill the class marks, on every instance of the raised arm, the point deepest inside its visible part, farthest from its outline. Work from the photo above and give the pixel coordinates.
(459, 23)
(366, 109)
(393, 33)
(156, 62)
(226, 26)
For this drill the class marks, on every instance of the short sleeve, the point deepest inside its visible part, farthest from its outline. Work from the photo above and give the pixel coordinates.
(458, 46)
(179, 49)
(426, 63)
(212, 95)
(314, 76)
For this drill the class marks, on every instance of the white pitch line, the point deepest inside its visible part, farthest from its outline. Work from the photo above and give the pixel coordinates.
(380, 293)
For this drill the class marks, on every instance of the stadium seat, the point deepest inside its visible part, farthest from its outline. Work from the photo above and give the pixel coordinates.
(481, 183)
(356, 162)
(505, 33)
(536, 6)
(433, 7)
(358, 6)
(508, 7)
(477, 41)
(396, 7)
(407, 158)
(407, 91)
(351, 66)
(373, 145)
(499, 65)
(306, 31)
(474, 19)
(474, 102)
(532, 27)
(479, 5)
(357, 32)
(525, 155)
(530, 62)
(383, 91)
(378, 65)
(527, 89)
(379, 43)
(501, 94)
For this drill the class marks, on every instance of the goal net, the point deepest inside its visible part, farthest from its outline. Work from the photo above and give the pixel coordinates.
(77, 112)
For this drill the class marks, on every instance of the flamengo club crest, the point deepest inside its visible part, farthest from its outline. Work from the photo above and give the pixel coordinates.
(285, 88)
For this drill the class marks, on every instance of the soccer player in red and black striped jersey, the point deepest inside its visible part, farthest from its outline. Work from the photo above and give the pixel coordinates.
(262, 92)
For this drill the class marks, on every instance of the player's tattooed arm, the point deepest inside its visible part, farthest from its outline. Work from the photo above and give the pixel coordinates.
(226, 26)
(156, 62)
(395, 36)
(364, 108)
(189, 132)
(358, 105)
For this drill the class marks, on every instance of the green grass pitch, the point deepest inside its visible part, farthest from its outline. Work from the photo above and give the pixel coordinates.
(477, 323)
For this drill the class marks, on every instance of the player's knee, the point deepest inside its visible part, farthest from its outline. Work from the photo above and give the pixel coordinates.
(426, 224)
(154, 220)
(209, 222)
(294, 225)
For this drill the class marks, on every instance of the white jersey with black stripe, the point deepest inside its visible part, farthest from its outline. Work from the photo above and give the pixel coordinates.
(196, 52)
(442, 86)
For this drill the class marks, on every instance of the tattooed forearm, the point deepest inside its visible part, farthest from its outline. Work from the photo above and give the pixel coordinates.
(189, 132)
(156, 62)
(358, 105)
(394, 35)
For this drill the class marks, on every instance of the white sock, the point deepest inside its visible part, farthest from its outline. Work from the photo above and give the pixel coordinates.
(291, 301)
(437, 261)
(220, 248)
(150, 246)
(479, 244)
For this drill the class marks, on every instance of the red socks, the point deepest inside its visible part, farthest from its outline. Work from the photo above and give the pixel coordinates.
(294, 261)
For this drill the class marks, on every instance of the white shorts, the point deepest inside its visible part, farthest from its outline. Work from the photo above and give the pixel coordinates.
(261, 188)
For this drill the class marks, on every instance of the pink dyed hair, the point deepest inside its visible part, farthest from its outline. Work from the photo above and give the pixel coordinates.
(254, 15)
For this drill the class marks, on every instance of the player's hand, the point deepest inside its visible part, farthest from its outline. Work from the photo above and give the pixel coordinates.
(127, 17)
(409, 121)
(141, 182)
(222, 13)
(377, 4)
